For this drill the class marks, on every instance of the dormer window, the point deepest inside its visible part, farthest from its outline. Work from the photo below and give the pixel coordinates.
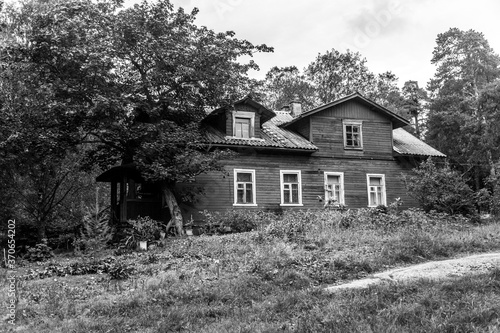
(242, 127)
(353, 135)
(243, 124)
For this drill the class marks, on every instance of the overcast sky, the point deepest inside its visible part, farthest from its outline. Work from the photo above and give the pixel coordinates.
(395, 35)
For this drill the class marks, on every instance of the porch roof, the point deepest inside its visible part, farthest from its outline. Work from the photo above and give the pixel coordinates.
(117, 173)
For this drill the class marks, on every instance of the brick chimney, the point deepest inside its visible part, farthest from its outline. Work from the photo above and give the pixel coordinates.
(295, 106)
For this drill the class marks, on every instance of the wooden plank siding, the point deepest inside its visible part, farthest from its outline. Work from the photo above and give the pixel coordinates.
(327, 127)
(243, 107)
(219, 188)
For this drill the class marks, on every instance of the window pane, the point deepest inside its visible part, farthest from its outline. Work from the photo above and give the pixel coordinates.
(290, 178)
(249, 196)
(333, 179)
(242, 127)
(375, 181)
(244, 177)
(352, 135)
(240, 196)
(286, 196)
(295, 193)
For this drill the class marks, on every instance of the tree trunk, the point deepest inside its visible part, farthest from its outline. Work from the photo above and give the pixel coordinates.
(175, 211)
(41, 231)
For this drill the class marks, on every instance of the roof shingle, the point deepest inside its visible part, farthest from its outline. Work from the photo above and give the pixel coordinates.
(405, 143)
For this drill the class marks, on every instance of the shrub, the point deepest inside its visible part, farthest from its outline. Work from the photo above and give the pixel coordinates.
(120, 271)
(293, 225)
(235, 220)
(96, 232)
(40, 252)
(144, 229)
(440, 189)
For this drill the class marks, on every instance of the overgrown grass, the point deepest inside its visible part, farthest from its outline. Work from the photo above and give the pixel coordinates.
(270, 280)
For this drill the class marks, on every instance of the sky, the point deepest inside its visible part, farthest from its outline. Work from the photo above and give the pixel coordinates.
(395, 35)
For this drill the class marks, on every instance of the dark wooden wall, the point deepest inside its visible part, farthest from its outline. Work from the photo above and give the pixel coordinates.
(327, 132)
(219, 188)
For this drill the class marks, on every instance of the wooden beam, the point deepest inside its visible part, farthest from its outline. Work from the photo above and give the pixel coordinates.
(123, 199)
(113, 201)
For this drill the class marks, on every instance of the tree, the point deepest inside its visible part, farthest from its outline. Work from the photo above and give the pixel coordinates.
(441, 189)
(335, 74)
(137, 95)
(414, 98)
(47, 85)
(282, 84)
(466, 64)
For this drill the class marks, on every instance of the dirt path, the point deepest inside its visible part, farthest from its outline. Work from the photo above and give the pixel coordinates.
(436, 270)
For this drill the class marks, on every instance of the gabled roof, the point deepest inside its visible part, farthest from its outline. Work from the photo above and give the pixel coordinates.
(272, 136)
(265, 113)
(397, 120)
(405, 143)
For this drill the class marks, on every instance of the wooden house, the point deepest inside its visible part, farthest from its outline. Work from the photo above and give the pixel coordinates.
(351, 151)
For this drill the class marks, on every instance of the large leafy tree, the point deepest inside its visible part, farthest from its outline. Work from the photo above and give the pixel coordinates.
(331, 76)
(283, 84)
(337, 74)
(466, 65)
(41, 109)
(131, 84)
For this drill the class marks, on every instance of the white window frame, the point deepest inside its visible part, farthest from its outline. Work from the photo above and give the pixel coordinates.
(282, 187)
(384, 197)
(254, 187)
(340, 200)
(247, 115)
(359, 123)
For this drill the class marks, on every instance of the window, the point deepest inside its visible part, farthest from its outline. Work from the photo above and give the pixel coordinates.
(242, 127)
(244, 187)
(376, 190)
(334, 187)
(353, 137)
(243, 124)
(291, 188)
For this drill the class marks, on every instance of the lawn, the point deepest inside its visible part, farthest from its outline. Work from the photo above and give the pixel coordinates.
(269, 280)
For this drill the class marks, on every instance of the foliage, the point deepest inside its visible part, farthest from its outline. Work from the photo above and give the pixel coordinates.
(292, 225)
(145, 228)
(110, 265)
(414, 102)
(282, 85)
(277, 284)
(441, 189)
(136, 96)
(96, 232)
(339, 74)
(461, 120)
(119, 271)
(235, 220)
(40, 252)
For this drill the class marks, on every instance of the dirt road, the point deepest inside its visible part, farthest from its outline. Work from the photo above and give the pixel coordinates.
(436, 270)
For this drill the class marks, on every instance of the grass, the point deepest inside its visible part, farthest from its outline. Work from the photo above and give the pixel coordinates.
(266, 281)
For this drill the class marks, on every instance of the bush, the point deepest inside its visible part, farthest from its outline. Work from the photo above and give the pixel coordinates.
(120, 271)
(441, 189)
(235, 221)
(293, 225)
(96, 232)
(143, 229)
(40, 252)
